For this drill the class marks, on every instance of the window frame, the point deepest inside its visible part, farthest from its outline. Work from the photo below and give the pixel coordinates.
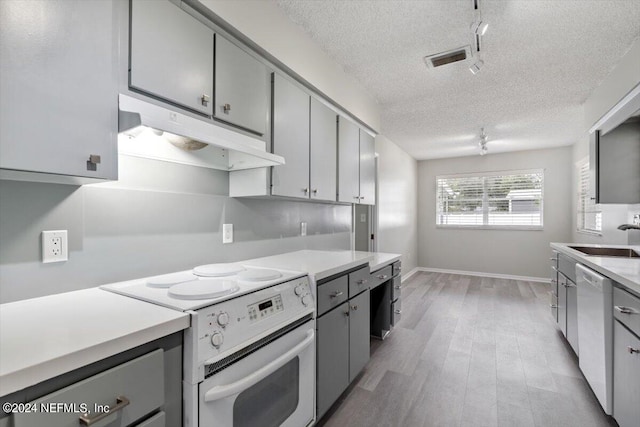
(485, 211)
(580, 212)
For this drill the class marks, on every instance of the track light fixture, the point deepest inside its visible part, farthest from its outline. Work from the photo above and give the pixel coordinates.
(483, 142)
(475, 68)
(479, 28)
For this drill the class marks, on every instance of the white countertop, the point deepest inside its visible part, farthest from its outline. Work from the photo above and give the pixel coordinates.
(625, 271)
(322, 264)
(41, 338)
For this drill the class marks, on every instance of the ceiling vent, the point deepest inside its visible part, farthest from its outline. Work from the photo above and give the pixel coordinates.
(448, 57)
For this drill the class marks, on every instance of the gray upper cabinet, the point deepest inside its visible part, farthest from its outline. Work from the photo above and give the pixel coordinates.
(367, 169)
(171, 55)
(290, 139)
(323, 152)
(59, 88)
(356, 164)
(348, 161)
(241, 87)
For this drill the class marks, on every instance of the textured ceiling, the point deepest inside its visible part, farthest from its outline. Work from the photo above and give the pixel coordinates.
(542, 60)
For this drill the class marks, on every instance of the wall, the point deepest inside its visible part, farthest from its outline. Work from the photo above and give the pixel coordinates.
(264, 23)
(509, 252)
(397, 202)
(158, 218)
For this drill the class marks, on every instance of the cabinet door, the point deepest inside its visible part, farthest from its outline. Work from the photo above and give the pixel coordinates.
(626, 376)
(562, 303)
(333, 357)
(58, 87)
(323, 152)
(359, 331)
(290, 139)
(171, 54)
(348, 161)
(572, 315)
(241, 87)
(367, 169)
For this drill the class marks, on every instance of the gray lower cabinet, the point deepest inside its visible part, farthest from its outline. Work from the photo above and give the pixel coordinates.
(343, 345)
(564, 298)
(332, 357)
(359, 331)
(626, 376)
(117, 397)
(290, 139)
(58, 89)
(572, 315)
(171, 55)
(241, 87)
(562, 304)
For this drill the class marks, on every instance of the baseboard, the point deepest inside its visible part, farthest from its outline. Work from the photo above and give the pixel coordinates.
(407, 276)
(481, 274)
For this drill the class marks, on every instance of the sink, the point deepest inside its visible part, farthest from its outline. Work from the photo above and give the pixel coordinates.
(615, 252)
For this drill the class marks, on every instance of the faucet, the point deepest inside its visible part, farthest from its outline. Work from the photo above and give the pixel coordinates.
(629, 227)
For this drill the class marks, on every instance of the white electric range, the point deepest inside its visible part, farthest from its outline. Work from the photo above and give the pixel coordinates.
(252, 333)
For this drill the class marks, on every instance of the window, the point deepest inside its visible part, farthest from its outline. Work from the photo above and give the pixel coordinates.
(589, 217)
(511, 199)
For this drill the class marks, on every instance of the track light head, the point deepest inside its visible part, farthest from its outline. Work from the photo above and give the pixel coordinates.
(479, 27)
(475, 68)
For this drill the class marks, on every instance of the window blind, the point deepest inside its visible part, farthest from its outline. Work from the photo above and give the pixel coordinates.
(589, 216)
(505, 199)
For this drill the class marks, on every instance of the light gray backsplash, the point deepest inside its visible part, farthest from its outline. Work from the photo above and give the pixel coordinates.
(157, 218)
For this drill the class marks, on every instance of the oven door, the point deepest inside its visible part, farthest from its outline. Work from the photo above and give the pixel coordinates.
(271, 386)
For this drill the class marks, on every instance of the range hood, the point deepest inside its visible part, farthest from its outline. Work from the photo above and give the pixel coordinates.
(152, 131)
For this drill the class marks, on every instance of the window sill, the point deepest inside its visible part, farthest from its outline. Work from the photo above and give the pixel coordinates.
(590, 233)
(491, 227)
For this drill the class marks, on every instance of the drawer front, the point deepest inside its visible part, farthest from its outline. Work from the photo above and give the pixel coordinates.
(626, 308)
(332, 294)
(396, 268)
(567, 266)
(140, 382)
(359, 281)
(379, 277)
(396, 288)
(158, 420)
(396, 312)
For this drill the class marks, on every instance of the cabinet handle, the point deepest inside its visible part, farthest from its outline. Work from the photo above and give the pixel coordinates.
(554, 269)
(553, 306)
(354, 307)
(397, 311)
(121, 402)
(92, 163)
(361, 197)
(398, 287)
(336, 294)
(204, 99)
(306, 190)
(554, 281)
(356, 197)
(633, 350)
(624, 310)
(346, 313)
(570, 285)
(592, 198)
(361, 281)
(226, 108)
(315, 191)
(553, 259)
(382, 276)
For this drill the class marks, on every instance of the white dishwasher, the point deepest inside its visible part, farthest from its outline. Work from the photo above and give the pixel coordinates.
(595, 333)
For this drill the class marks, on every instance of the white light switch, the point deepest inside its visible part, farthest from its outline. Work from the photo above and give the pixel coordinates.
(227, 233)
(363, 217)
(303, 228)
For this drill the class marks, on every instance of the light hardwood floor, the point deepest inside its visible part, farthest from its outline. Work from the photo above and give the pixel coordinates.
(471, 351)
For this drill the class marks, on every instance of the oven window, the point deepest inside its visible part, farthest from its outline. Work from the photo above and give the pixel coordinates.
(271, 401)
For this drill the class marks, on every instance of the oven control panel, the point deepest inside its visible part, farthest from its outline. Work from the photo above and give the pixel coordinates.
(266, 308)
(221, 329)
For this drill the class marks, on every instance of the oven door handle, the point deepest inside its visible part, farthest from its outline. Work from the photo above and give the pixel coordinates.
(220, 392)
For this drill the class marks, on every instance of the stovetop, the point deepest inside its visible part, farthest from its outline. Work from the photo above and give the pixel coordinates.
(215, 283)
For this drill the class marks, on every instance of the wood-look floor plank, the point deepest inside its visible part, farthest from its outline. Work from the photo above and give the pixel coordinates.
(471, 351)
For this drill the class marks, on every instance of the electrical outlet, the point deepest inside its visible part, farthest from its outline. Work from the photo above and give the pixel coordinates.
(54, 246)
(227, 233)
(636, 219)
(303, 228)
